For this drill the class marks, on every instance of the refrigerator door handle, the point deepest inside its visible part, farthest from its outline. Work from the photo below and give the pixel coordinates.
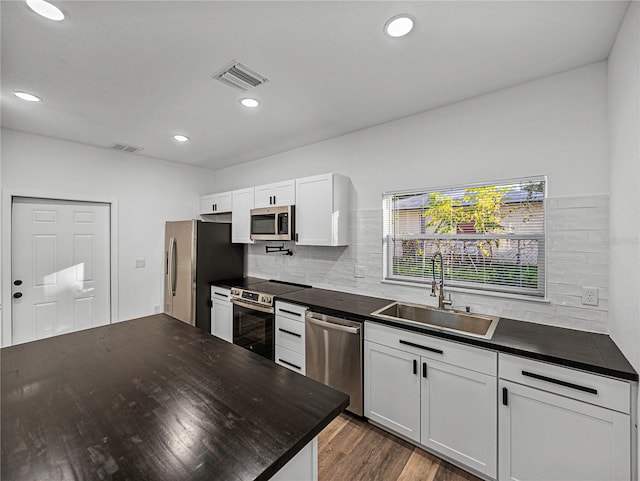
(172, 265)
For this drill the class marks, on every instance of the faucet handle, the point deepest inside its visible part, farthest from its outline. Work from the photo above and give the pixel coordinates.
(433, 288)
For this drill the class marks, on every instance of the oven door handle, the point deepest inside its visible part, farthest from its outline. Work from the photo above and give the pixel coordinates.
(250, 305)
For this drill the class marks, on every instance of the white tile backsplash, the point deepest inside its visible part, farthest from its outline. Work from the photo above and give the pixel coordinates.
(577, 255)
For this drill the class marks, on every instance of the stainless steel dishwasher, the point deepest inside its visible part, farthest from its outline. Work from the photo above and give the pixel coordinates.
(333, 355)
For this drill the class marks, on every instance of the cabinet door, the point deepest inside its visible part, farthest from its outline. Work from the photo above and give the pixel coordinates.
(223, 202)
(222, 320)
(551, 437)
(314, 208)
(458, 414)
(284, 193)
(242, 203)
(263, 196)
(207, 204)
(392, 389)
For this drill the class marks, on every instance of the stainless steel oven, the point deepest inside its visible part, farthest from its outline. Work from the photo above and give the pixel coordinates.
(253, 324)
(253, 315)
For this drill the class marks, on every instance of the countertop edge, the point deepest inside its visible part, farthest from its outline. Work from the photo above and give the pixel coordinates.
(487, 344)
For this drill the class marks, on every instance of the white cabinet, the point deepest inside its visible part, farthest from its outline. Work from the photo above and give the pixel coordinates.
(440, 394)
(303, 466)
(216, 203)
(222, 313)
(392, 389)
(242, 202)
(290, 336)
(557, 423)
(279, 193)
(322, 210)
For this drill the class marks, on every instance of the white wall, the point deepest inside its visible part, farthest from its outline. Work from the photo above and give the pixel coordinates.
(624, 118)
(148, 192)
(556, 126)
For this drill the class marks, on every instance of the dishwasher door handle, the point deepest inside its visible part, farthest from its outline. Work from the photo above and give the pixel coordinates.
(333, 325)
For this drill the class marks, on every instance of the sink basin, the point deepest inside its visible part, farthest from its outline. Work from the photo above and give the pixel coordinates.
(453, 321)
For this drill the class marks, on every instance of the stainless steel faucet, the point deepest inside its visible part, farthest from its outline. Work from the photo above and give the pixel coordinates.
(442, 302)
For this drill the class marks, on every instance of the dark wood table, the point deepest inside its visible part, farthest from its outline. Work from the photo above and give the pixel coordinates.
(153, 399)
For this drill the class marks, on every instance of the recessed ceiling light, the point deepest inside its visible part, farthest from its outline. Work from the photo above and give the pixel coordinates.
(398, 26)
(46, 9)
(27, 96)
(251, 103)
(181, 138)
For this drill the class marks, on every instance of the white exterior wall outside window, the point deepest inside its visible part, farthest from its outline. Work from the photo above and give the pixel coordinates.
(491, 236)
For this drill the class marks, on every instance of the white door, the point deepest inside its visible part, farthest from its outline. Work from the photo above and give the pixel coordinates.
(459, 414)
(392, 389)
(60, 267)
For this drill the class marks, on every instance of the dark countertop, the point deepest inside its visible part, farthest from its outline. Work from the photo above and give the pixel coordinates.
(242, 282)
(578, 349)
(154, 399)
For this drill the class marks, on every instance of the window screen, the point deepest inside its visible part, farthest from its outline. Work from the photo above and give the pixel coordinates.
(491, 236)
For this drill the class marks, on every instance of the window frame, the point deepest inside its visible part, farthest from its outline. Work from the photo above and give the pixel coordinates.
(537, 294)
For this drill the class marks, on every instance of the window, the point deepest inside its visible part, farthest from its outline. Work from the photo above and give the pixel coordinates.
(491, 236)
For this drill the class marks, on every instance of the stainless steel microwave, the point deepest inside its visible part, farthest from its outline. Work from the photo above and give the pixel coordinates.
(272, 223)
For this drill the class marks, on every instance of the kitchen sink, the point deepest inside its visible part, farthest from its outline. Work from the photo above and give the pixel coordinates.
(453, 321)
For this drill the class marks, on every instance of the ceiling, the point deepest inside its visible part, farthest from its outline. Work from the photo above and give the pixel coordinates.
(138, 72)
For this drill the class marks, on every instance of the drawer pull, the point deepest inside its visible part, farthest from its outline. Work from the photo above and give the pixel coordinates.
(431, 349)
(289, 332)
(290, 364)
(570, 385)
(221, 295)
(290, 312)
(505, 396)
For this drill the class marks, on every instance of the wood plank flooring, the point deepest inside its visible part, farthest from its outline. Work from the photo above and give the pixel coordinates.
(350, 449)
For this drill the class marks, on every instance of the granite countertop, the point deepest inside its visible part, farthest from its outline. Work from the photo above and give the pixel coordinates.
(578, 349)
(153, 398)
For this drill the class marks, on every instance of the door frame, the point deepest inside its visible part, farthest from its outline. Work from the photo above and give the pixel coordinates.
(7, 204)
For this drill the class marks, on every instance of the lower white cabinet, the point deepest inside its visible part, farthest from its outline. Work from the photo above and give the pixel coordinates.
(222, 313)
(450, 409)
(303, 466)
(290, 335)
(548, 432)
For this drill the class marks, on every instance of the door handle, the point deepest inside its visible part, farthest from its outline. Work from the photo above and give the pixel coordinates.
(424, 370)
(174, 266)
(17, 282)
(505, 396)
(17, 295)
(415, 366)
(333, 325)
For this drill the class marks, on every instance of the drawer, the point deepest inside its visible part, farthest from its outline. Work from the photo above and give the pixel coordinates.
(583, 386)
(290, 360)
(290, 334)
(292, 311)
(462, 355)
(220, 293)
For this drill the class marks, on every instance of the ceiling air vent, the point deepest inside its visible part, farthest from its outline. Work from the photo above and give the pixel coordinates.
(132, 149)
(240, 76)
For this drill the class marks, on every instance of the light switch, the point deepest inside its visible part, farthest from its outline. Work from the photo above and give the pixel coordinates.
(359, 271)
(139, 263)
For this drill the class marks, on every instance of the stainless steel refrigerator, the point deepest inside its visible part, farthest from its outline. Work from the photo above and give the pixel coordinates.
(197, 253)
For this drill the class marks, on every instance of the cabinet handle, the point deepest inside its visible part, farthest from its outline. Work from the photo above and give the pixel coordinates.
(505, 396)
(431, 349)
(424, 370)
(290, 312)
(415, 366)
(274, 200)
(296, 237)
(290, 364)
(570, 385)
(289, 332)
(221, 295)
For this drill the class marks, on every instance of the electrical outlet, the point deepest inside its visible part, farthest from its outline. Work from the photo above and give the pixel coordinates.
(140, 263)
(358, 271)
(590, 296)
(156, 309)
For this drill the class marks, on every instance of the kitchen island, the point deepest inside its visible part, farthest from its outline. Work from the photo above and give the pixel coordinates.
(154, 399)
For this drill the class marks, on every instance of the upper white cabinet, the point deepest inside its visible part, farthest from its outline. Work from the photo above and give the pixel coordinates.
(557, 423)
(322, 210)
(279, 193)
(242, 203)
(216, 203)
